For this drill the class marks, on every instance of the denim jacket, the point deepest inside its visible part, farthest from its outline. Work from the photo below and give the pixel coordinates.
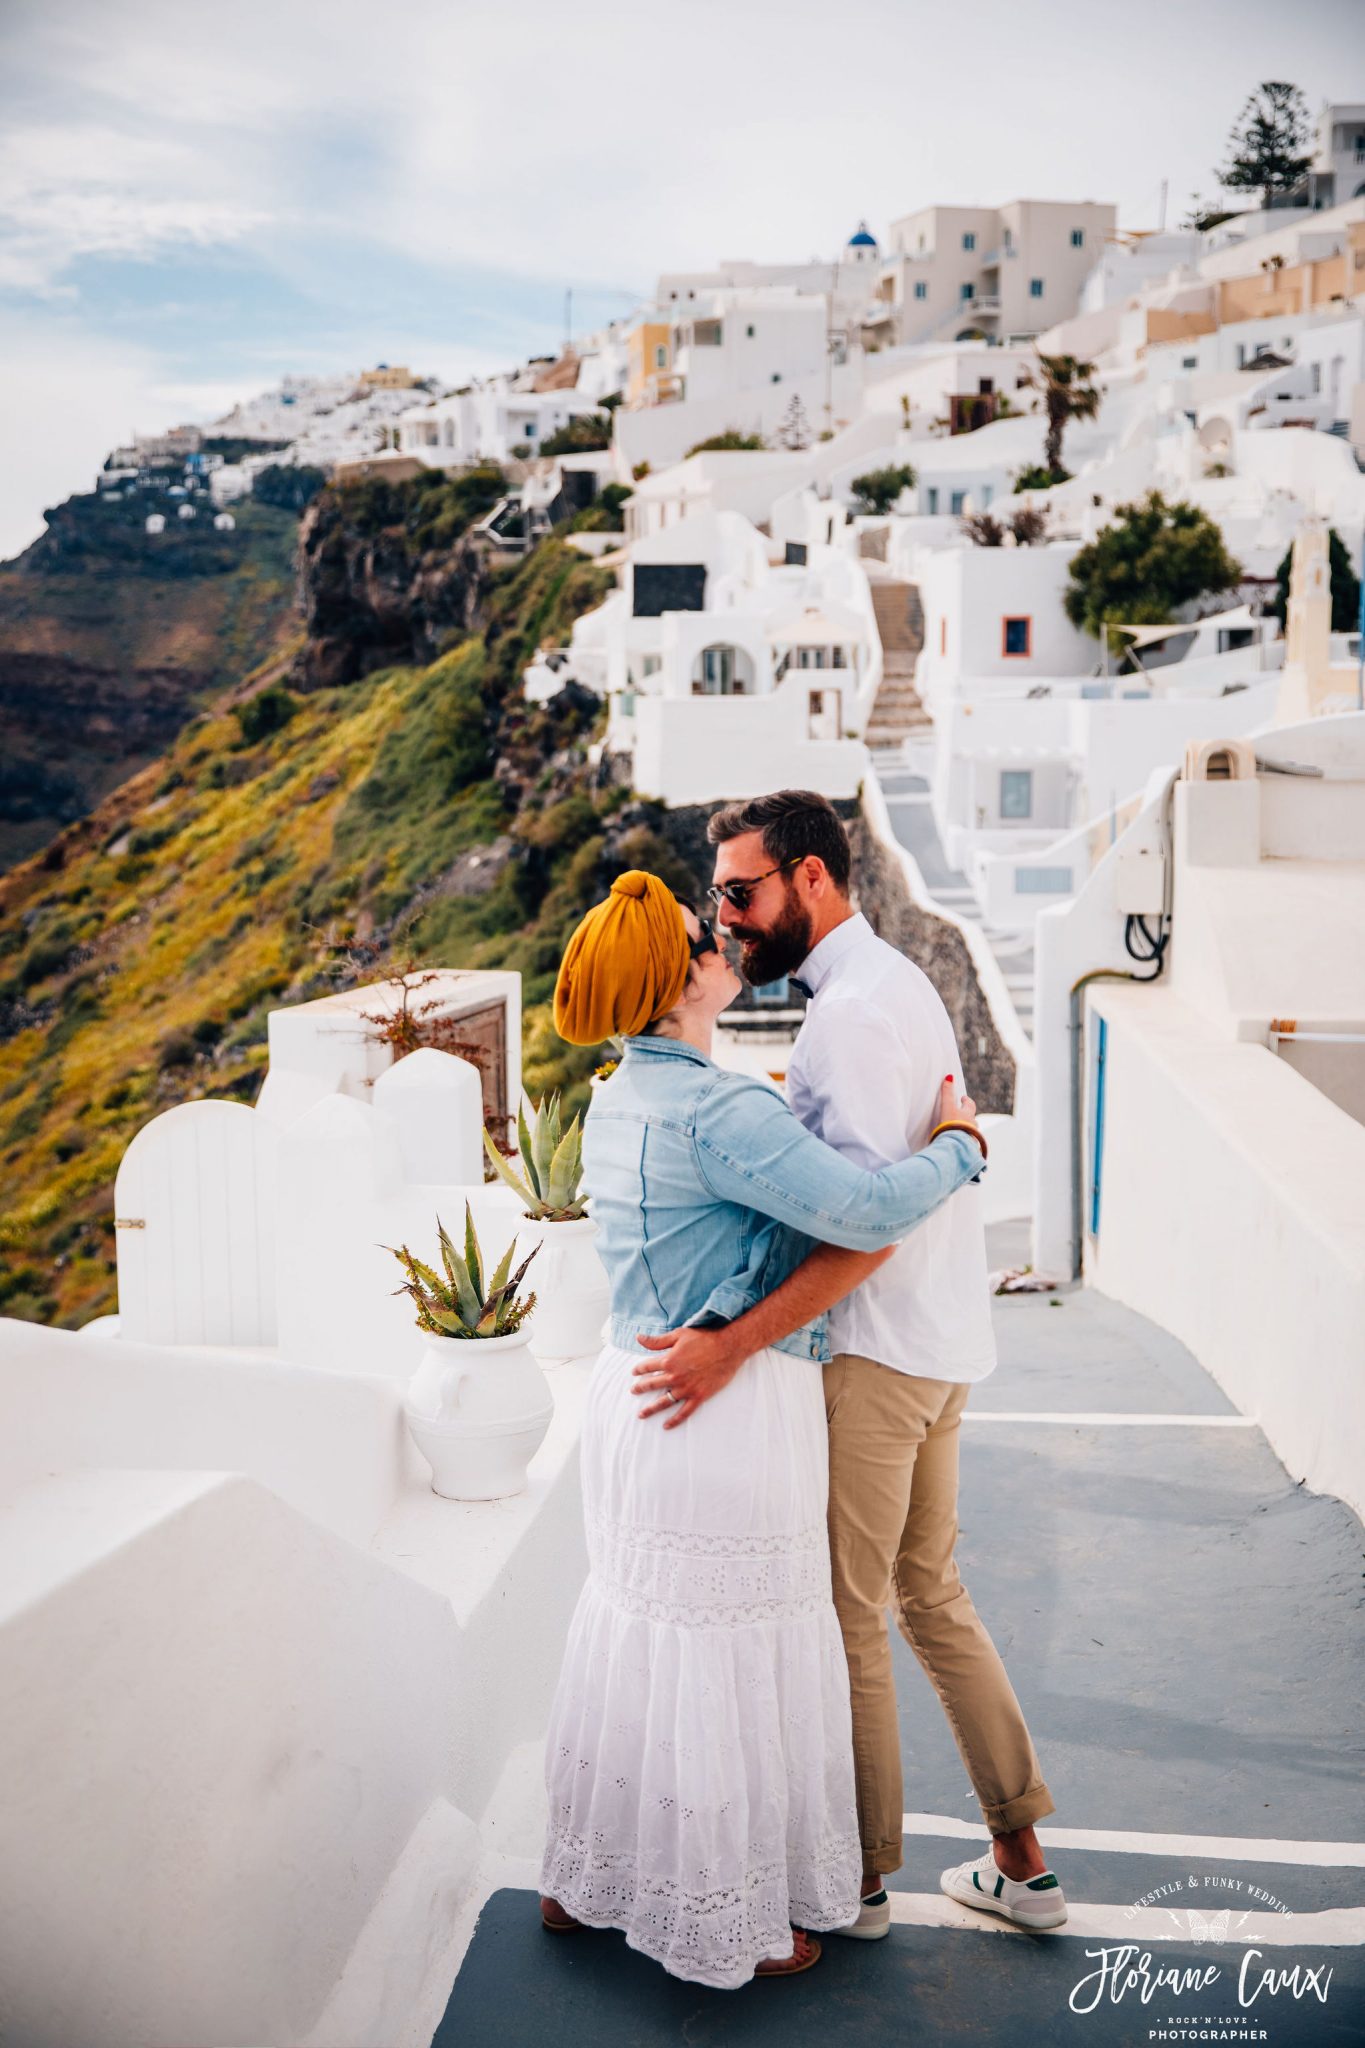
(707, 1192)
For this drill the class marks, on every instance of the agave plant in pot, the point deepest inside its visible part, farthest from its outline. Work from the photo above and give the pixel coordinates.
(478, 1405)
(575, 1297)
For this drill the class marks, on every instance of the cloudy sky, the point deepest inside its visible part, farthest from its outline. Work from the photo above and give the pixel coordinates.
(195, 199)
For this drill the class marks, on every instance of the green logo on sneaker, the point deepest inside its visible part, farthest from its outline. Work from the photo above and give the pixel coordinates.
(1043, 1884)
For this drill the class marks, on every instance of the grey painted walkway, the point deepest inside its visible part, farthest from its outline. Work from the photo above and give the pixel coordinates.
(1183, 1626)
(912, 820)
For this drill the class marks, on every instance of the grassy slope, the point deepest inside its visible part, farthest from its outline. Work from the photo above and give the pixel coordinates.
(222, 881)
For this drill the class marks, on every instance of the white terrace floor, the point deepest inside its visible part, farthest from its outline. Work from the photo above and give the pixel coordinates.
(1182, 1625)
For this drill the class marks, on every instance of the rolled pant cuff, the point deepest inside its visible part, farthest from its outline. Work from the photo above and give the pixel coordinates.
(883, 1857)
(1022, 1812)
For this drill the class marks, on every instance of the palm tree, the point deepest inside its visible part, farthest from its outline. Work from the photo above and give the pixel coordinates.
(1068, 394)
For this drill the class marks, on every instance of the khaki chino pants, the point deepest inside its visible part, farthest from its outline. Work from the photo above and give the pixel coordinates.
(893, 1452)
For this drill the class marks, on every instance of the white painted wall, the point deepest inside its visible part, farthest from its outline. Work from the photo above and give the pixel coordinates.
(205, 1829)
(967, 594)
(1271, 1298)
(268, 1847)
(663, 434)
(692, 750)
(1231, 1208)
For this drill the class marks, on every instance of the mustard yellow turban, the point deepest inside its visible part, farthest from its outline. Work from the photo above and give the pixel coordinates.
(625, 965)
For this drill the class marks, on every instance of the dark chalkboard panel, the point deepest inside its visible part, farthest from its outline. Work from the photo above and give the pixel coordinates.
(669, 587)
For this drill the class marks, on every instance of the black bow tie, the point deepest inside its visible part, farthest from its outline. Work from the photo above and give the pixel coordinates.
(799, 986)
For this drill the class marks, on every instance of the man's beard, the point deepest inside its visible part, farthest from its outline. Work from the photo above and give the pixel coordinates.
(767, 956)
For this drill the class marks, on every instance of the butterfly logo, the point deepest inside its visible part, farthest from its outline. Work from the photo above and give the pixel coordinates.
(1208, 1926)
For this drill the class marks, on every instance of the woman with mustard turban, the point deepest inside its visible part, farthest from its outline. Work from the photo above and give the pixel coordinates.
(699, 1757)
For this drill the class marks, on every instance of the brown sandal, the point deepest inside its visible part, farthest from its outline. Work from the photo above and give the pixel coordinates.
(556, 1920)
(805, 1955)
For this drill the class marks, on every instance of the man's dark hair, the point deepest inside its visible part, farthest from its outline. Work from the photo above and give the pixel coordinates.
(794, 822)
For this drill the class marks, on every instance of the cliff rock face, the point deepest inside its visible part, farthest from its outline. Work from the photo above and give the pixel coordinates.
(110, 638)
(387, 576)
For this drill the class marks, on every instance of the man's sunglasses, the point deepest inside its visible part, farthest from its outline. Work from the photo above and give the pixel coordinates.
(706, 943)
(739, 894)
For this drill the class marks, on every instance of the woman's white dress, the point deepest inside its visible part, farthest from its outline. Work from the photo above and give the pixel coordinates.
(699, 1761)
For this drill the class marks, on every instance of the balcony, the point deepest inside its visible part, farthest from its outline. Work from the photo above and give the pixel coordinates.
(664, 387)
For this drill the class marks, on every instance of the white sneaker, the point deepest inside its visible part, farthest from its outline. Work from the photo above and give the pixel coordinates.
(873, 1921)
(1037, 1903)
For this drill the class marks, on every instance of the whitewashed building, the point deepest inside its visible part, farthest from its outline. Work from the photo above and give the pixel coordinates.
(726, 661)
(992, 272)
(487, 424)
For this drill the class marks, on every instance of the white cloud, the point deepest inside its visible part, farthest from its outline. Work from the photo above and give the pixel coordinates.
(604, 142)
(592, 145)
(65, 398)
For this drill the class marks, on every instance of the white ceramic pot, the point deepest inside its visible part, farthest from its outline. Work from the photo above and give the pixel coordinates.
(478, 1409)
(573, 1298)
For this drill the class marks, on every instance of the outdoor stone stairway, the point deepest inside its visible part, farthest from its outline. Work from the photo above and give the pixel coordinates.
(912, 819)
(900, 623)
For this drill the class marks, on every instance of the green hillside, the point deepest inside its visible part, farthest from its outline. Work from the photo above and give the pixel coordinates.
(253, 866)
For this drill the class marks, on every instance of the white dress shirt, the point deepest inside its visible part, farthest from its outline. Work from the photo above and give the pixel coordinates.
(864, 1075)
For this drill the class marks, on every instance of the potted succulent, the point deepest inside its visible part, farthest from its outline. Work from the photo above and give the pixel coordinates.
(478, 1405)
(575, 1295)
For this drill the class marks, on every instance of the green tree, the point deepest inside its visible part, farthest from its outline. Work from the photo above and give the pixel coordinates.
(268, 711)
(731, 439)
(291, 487)
(877, 491)
(1139, 571)
(1268, 148)
(582, 436)
(1067, 394)
(1345, 586)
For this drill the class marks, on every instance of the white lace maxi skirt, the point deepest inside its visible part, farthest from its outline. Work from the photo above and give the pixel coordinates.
(699, 1760)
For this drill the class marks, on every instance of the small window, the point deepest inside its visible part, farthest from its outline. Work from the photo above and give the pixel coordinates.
(749, 332)
(707, 333)
(1043, 882)
(660, 357)
(1017, 637)
(1241, 355)
(1035, 287)
(969, 241)
(1189, 362)
(530, 430)
(931, 496)
(1317, 378)
(1078, 238)
(958, 501)
(1016, 793)
(968, 292)
(777, 376)
(921, 289)
(1009, 241)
